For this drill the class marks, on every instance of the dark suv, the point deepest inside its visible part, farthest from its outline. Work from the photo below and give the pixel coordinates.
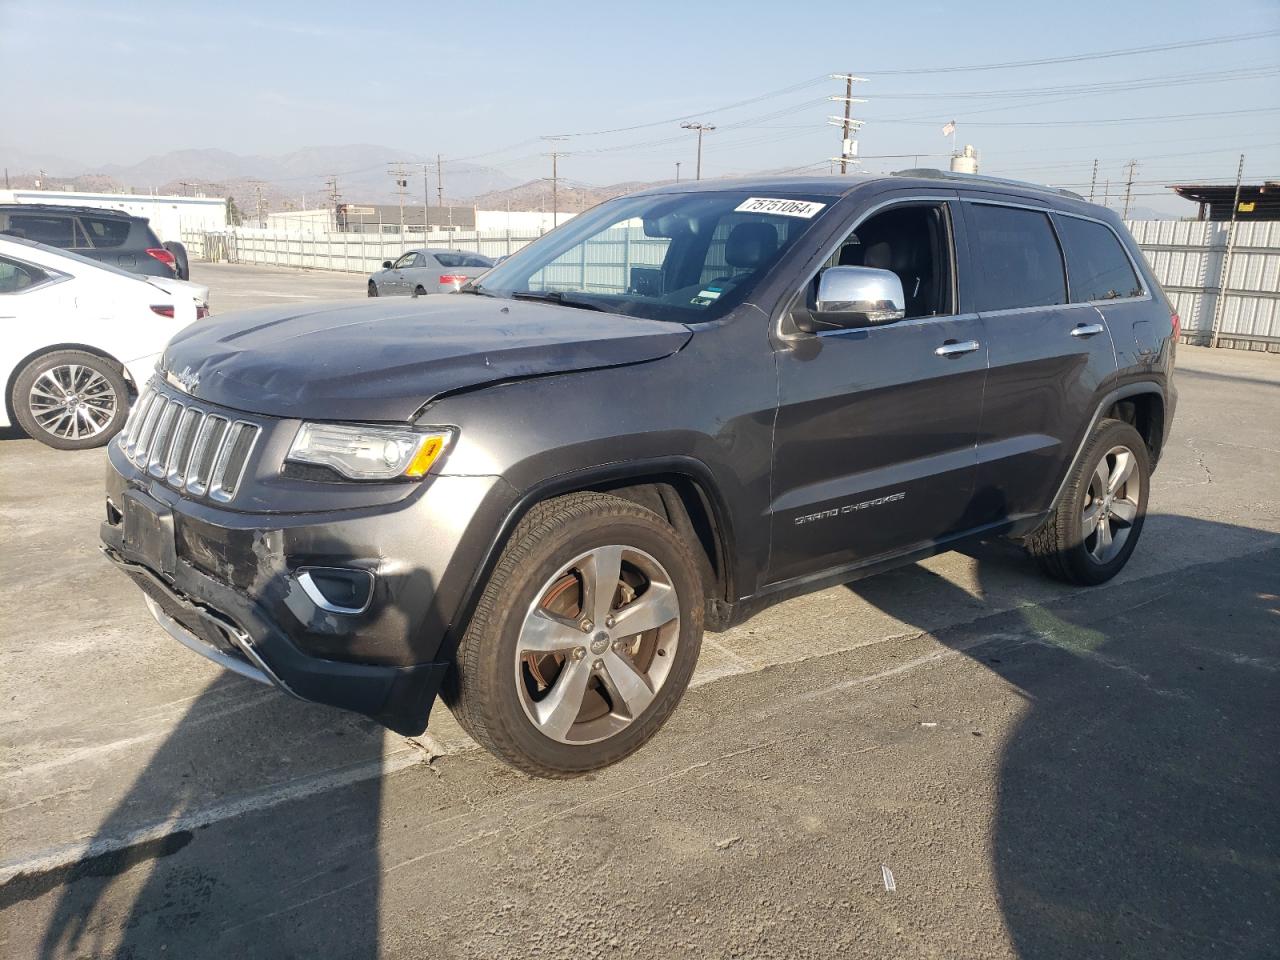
(681, 406)
(108, 236)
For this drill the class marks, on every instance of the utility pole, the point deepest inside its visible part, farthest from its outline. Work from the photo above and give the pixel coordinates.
(440, 186)
(1093, 181)
(1220, 306)
(848, 126)
(402, 183)
(334, 197)
(701, 128)
(426, 202)
(555, 179)
(1128, 189)
(260, 203)
(1106, 193)
(6, 174)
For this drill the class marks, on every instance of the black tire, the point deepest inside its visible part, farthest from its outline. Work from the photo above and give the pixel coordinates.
(483, 690)
(21, 400)
(1062, 546)
(180, 262)
(419, 292)
(373, 289)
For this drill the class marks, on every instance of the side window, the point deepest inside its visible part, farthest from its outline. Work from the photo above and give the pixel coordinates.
(54, 230)
(106, 231)
(1098, 266)
(913, 241)
(408, 260)
(16, 277)
(1021, 262)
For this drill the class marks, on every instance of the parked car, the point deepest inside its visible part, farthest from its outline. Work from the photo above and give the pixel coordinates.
(419, 272)
(80, 338)
(533, 496)
(109, 236)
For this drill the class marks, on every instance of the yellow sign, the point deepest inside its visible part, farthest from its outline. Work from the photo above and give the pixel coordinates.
(1246, 206)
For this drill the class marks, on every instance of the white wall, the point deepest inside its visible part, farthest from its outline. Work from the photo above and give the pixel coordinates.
(319, 220)
(518, 221)
(169, 216)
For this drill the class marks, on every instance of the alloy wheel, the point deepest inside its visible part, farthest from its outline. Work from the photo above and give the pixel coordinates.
(597, 644)
(1111, 508)
(72, 401)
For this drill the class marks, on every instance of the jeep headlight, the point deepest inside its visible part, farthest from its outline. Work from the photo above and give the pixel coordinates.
(369, 453)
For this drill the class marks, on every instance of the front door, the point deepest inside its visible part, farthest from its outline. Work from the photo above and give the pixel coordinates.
(874, 445)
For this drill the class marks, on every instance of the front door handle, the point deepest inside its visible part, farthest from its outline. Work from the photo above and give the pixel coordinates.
(1087, 330)
(953, 348)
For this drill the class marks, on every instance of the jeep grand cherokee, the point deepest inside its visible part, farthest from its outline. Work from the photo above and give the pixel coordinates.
(683, 405)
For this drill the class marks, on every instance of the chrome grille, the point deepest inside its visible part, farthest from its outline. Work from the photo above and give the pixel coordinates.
(188, 447)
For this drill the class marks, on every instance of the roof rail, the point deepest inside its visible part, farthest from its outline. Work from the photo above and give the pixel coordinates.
(932, 173)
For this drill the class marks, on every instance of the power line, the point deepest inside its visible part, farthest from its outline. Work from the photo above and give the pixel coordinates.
(1079, 57)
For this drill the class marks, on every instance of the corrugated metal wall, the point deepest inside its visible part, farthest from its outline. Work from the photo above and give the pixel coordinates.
(1187, 258)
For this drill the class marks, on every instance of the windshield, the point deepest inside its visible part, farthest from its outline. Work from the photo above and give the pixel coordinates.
(687, 257)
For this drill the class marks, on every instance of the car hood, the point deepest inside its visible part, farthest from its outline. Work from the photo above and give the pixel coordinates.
(383, 359)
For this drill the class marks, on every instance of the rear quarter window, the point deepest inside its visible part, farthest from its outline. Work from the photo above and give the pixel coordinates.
(1018, 257)
(1096, 262)
(106, 231)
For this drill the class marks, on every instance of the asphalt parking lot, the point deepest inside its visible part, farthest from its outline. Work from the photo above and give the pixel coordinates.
(956, 759)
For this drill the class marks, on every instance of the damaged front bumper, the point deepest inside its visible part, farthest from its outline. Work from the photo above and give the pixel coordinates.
(345, 607)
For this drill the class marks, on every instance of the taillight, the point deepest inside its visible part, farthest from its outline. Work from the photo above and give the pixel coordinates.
(454, 278)
(163, 255)
(201, 311)
(1177, 327)
(164, 309)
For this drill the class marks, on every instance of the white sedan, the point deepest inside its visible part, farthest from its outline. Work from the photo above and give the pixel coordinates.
(80, 339)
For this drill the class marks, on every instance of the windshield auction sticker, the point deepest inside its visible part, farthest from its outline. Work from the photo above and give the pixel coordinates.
(807, 209)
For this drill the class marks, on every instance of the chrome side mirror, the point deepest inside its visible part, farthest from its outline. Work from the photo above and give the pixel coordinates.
(857, 297)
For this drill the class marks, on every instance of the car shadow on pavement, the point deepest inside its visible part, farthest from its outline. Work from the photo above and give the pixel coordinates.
(222, 895)
(1136, 806)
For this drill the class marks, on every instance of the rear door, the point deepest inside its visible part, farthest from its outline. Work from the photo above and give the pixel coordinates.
(54, 229)
(1048, 357)
(1101, 271)
(874, 443)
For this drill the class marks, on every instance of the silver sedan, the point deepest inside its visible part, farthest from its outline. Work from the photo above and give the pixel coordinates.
(419, 272)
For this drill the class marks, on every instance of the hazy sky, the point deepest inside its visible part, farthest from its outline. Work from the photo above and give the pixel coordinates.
(113, 82)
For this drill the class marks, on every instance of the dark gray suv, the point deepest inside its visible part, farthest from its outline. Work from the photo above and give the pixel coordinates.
(109, 236)
(683, 405)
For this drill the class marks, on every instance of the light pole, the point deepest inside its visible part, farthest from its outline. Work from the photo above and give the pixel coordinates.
(701, 128)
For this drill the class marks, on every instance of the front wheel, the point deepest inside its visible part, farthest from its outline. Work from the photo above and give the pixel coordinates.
(1090, 536)
(70, 400)
(373, 289)
(584, 638)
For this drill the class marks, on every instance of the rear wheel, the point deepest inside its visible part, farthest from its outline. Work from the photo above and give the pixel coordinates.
(419, 292)
(1095, 528)
(584, 639)
(70, 400)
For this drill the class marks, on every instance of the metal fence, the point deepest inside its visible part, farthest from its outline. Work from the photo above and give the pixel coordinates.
(1188, 258)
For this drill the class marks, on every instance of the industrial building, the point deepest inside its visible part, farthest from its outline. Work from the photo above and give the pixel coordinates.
(1257, 201)
(169, 215)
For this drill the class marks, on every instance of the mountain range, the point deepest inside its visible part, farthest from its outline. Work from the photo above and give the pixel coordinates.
(363, 172)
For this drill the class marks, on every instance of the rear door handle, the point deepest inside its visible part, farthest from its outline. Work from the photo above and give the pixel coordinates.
(953, 348)
(1087, 330)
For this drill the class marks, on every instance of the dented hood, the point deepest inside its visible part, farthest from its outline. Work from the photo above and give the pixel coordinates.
(383, 359)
